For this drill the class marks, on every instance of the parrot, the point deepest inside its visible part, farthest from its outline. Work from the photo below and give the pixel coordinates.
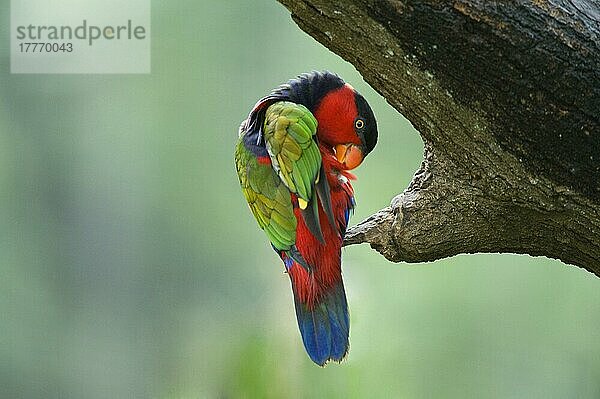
(293, 156)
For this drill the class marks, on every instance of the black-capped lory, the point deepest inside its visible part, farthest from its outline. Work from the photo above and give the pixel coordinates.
(293, 156)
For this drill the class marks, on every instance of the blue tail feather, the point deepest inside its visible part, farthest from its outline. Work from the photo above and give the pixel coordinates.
(325, 328)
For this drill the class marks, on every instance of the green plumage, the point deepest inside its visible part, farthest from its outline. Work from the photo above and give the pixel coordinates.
(288, 131)
(295, 162)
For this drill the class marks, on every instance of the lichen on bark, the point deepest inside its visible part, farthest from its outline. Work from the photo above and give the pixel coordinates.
(506, 97)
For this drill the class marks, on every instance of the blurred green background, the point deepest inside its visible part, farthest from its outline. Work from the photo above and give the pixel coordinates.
(130, 266)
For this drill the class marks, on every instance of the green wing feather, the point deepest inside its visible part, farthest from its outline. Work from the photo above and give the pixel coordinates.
(268, 198)
(295, 163)
(289, 129)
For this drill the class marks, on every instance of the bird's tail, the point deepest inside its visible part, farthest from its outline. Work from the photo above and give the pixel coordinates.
(324, 325)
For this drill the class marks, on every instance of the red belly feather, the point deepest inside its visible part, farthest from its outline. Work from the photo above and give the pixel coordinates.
(324, 259)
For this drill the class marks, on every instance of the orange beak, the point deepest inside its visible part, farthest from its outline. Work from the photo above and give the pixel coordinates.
(348, 155)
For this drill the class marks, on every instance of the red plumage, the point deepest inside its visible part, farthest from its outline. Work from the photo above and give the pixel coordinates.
(336, 114)
(325, 258)
(321, 307)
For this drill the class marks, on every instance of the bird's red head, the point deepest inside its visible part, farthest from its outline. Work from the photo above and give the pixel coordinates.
(347, 125)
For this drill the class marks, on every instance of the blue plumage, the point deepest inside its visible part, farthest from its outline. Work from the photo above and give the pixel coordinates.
(325, 328)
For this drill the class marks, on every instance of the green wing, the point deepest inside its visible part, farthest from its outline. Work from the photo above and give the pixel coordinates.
(295, 166)
(288, 131)
(268, 198)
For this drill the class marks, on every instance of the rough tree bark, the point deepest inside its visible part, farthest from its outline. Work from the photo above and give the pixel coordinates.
(506, 97)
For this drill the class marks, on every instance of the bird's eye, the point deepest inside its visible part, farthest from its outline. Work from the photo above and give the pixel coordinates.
(359, 123)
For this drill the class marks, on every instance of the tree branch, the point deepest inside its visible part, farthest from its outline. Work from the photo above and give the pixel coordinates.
(506, 97)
